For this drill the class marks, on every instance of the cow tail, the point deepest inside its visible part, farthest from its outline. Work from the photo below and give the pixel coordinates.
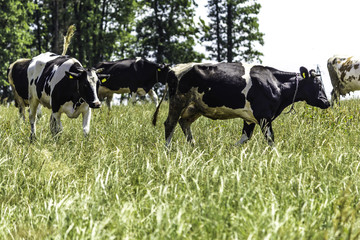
(67, 38)
(158, 106)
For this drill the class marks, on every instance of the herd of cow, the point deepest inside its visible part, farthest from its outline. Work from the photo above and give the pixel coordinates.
(255, 93)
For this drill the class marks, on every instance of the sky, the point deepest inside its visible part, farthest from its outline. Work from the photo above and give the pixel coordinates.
(306, 33)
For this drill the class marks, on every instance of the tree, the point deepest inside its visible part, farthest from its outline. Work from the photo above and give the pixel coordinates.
(15, 34)
(103, 29)
(233, 31)
(167, 31)
(214, 32)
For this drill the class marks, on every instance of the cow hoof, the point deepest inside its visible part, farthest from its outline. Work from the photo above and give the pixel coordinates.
(240, 143)
(32, 138)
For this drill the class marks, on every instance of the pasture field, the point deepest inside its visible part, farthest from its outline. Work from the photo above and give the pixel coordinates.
(122, 183)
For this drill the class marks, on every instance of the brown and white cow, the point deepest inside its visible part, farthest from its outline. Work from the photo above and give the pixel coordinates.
(344, 74)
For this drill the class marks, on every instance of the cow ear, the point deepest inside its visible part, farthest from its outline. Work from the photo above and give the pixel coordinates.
(103, 77)
(99, 70)
(313, 74)
(71, 75)
(304, 72)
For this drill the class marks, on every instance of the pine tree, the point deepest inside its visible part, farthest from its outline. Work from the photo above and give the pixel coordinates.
(167, 32)
(233, 31)
(215, 31)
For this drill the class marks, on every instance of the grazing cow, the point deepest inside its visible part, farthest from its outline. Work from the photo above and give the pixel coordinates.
(131, 76)
(258, 94)
(57, 82)
(345, 76)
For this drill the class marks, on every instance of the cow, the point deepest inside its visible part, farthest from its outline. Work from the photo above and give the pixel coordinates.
(131, 76)
(345, 76)
(255, 93)
(57, 82)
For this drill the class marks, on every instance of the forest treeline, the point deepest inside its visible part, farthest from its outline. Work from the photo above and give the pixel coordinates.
(165, 31)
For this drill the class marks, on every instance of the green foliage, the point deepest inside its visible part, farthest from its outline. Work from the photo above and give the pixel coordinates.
(167, 31)
(122, 183)
(233, 32)
(15, 37)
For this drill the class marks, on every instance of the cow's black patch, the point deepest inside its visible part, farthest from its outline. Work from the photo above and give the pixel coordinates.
(42, 84)
(222, 84)
(47, 88)
(19, 76)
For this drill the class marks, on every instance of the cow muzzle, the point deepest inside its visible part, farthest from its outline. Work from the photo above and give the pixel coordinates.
(96, 104)
(324, 103)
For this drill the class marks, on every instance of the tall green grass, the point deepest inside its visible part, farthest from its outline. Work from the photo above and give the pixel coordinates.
(122, 183)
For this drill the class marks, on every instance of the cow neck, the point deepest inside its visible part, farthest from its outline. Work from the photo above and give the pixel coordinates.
(80, 100)
(295, 93)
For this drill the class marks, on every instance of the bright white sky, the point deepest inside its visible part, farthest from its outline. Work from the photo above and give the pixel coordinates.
(306, 32)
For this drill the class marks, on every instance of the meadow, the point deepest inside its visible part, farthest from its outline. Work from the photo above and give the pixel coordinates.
(122, 183)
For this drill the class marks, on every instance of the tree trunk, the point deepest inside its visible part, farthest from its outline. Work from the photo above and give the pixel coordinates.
(78, 42)
(218, 35)
(38, 30)
(102, 30)
(160, 42)
(229, 21)
(56, 42)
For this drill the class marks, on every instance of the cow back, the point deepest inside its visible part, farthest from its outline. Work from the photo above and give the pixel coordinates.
(221, 84)
(344, 74)
(267, 81)
(17, 74)
(129, 74)
(47, 70)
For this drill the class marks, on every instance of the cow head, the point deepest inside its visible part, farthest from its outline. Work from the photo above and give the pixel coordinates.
(313, 88)
(87, 83)
(162, 72)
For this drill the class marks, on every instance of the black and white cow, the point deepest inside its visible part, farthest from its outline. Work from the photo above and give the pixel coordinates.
(258, 94)
(344, 73)
(131, 76)
(60, 83)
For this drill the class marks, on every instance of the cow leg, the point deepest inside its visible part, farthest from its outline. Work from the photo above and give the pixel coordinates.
(32, 118)
(266, 129)
(175, 110)
(22, 112)
(188, 117)
(38, 112)
(19, 102)
(86, 122)
(153, 96)
(109, 100)
(246, 133)
(55, 123)
(133, 98)
(335, 98)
